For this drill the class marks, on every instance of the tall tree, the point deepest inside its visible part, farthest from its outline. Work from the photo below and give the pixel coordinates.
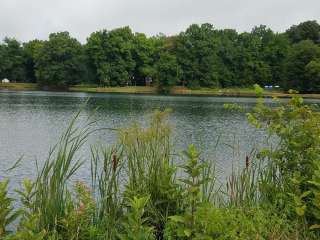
(227, 41)
(272, 53)
(206, 57)
(111, 54)
(31, 49)
(143, 54)
(250, 66)
(301, 54)
(197, 55)
(168, 72)
(59, 62)
(309, 30)
(313, 74)
(13, 60)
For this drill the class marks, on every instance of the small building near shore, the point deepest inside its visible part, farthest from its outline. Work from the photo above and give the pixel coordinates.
(5, 80)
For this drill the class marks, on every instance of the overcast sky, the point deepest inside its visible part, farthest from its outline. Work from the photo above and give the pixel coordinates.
(30, 19)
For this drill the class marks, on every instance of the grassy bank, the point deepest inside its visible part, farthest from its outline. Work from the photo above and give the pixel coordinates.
(227, 92)
(131, 89)
(231, 92)
(142, 189)
(19, 86)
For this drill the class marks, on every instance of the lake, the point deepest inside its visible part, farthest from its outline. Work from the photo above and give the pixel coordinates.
(32, 122)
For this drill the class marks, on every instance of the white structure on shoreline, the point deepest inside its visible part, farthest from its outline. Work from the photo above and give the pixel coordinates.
(5, 80)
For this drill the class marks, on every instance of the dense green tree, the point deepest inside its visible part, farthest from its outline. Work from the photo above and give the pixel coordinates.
(309, 30)
(250, 67)
(59, 62)
(264, 33)
(13, 60)
(226, 41)
(272, 53)
(144, 56)
(204, 56)
(111, 54)
(167, 72)
(197, 55)
(300, 56)
(31, 49)
(313, 74)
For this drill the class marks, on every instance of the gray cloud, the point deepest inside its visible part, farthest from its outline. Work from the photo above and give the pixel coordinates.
(29, 19)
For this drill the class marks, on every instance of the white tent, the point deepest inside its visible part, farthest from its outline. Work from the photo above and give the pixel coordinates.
(5, 80)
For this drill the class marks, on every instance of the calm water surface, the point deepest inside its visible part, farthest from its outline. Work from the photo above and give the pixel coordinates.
(31, 123)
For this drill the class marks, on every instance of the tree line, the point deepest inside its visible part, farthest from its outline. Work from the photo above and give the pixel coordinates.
(200, 56)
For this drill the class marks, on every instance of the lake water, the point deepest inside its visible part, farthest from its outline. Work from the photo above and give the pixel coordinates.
(31, 123)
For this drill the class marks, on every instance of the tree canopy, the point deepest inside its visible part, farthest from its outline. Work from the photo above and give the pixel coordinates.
(301, 62)
(13, 60)
(59, 61)
(309, 30)
(111, 54)
(200, 56)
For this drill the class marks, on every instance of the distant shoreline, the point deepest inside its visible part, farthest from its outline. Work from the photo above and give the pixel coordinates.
(176, 91)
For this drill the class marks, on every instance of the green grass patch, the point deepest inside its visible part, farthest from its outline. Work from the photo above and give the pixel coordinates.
(130, 89)
(19, 86)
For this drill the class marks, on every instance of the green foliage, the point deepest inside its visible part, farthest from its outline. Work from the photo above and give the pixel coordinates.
(148, 154)
(135, 226)
(299, 57)
(28, 228)
(111, 54)
(200, 56)
(233, 223)
(242, 186)
(185, 223)
(197, 55)
(296, 125)
(314, 204)
(202, 220)
(312, 71)
(78, 223)
(31, 50)
(52, 198)
(290, 176)
(258, 90)
(309, 30)
(7, 213)
(144, 53)
(168, 72)
(13, 60)
(59, 61)
(106, 167)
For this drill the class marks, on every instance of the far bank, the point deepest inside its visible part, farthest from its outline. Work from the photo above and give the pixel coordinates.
(179, 90)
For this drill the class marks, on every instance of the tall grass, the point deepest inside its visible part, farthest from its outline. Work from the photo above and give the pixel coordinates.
(242, 186)
(141, 163)
(52, 194)
(106, 168)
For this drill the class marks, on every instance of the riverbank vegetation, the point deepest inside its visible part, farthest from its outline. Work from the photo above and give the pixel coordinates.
(143, 189)
(199, 57)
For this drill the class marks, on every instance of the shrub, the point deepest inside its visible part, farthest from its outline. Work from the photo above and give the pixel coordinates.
(135, 225)
(7, 213)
